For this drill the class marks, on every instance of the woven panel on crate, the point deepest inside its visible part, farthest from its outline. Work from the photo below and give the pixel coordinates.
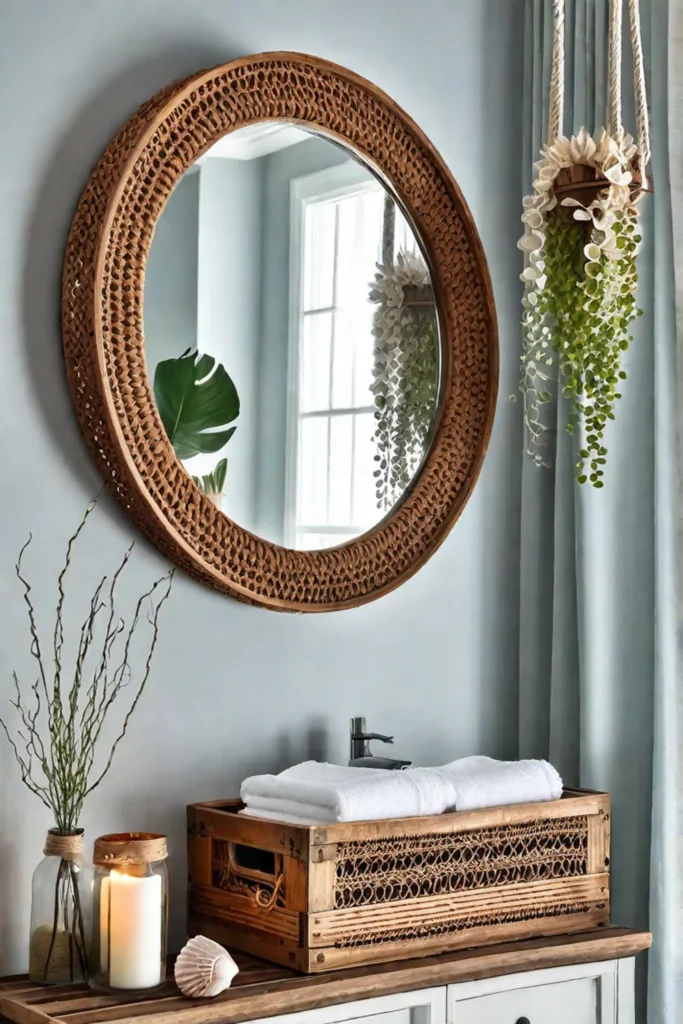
(408, 932)
(386, 870)
(103, 330)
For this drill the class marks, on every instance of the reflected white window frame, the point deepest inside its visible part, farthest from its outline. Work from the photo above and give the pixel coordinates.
(340, 181)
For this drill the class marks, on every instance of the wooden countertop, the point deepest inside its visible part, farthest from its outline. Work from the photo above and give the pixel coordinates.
(264, 990)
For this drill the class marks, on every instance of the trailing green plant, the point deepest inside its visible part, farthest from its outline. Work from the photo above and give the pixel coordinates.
(582, 240)
(580, 296)
(213, 483)
(405, 372)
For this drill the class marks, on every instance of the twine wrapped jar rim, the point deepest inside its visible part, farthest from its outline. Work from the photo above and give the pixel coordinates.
(130, 848)
(57, 844)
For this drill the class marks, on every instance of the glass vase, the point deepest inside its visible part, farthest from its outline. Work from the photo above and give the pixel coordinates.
(130, 912)
(61, 912)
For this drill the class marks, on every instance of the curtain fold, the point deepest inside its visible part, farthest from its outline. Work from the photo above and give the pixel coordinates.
(598, 685)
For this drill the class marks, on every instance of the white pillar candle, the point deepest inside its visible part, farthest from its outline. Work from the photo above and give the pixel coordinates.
(135, 926)
(104, 925)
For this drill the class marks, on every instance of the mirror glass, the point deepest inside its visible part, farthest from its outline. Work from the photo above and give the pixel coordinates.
(291, 336)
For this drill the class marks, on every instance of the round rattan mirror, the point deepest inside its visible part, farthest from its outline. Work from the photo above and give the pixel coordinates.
(279, 333)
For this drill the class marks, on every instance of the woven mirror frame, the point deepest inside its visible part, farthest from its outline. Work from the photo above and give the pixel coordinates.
(103, 330)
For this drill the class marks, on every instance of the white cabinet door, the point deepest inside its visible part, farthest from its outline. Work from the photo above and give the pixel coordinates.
(582, 994)
(427, 1006)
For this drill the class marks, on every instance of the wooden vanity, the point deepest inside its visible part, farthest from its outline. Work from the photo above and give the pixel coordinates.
(578, 979)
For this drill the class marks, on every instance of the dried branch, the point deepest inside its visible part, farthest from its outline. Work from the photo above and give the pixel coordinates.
(57, 741)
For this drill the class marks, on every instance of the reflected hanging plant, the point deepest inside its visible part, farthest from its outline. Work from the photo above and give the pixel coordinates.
(405, 372)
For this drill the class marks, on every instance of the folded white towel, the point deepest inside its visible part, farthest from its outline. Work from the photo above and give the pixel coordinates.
(313, 793)
(477, 782)
(294, 808)
(287, 816)
(334, 793)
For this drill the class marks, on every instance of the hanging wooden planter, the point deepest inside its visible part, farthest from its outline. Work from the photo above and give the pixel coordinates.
(419, 296)
(583, 184)
(581, 242)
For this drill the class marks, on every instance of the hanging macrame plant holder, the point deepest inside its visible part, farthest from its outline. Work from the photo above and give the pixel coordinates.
(581, 243)
(405, 371)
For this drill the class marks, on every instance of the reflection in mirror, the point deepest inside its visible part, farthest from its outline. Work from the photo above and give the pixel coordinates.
(291, 336)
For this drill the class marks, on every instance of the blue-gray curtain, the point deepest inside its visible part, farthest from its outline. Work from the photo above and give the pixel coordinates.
(598, 667)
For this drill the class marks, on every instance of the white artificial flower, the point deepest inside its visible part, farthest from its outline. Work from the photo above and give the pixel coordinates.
(614, 171)
(582, 148)
(628, 148)
(534, 218)
(531, 241)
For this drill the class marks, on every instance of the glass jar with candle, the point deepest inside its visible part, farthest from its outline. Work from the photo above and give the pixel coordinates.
(130, 912)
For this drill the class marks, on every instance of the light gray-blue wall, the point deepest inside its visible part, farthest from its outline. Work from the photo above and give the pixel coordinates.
(171, 276)
(235, 689)
(229, 317)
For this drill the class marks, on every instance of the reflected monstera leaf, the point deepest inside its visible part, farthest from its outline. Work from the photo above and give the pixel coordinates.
(195, 398)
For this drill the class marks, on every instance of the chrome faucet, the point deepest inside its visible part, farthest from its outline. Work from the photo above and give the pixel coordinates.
(362, 756)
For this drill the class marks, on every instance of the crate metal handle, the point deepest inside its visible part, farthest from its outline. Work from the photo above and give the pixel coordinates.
(267, 902)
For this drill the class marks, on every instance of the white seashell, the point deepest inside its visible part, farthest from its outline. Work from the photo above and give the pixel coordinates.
(204, 968)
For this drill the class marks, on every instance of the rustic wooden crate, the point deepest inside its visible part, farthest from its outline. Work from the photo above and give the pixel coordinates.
(319, 898)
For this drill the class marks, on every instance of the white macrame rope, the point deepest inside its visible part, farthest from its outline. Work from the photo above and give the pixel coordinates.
(614, 69)
(556, 108)
(614, 123)
(639, 86)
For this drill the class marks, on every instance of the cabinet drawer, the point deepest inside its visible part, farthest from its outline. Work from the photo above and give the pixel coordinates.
(396, 1017)
(425, 1006)
(567, 1002)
